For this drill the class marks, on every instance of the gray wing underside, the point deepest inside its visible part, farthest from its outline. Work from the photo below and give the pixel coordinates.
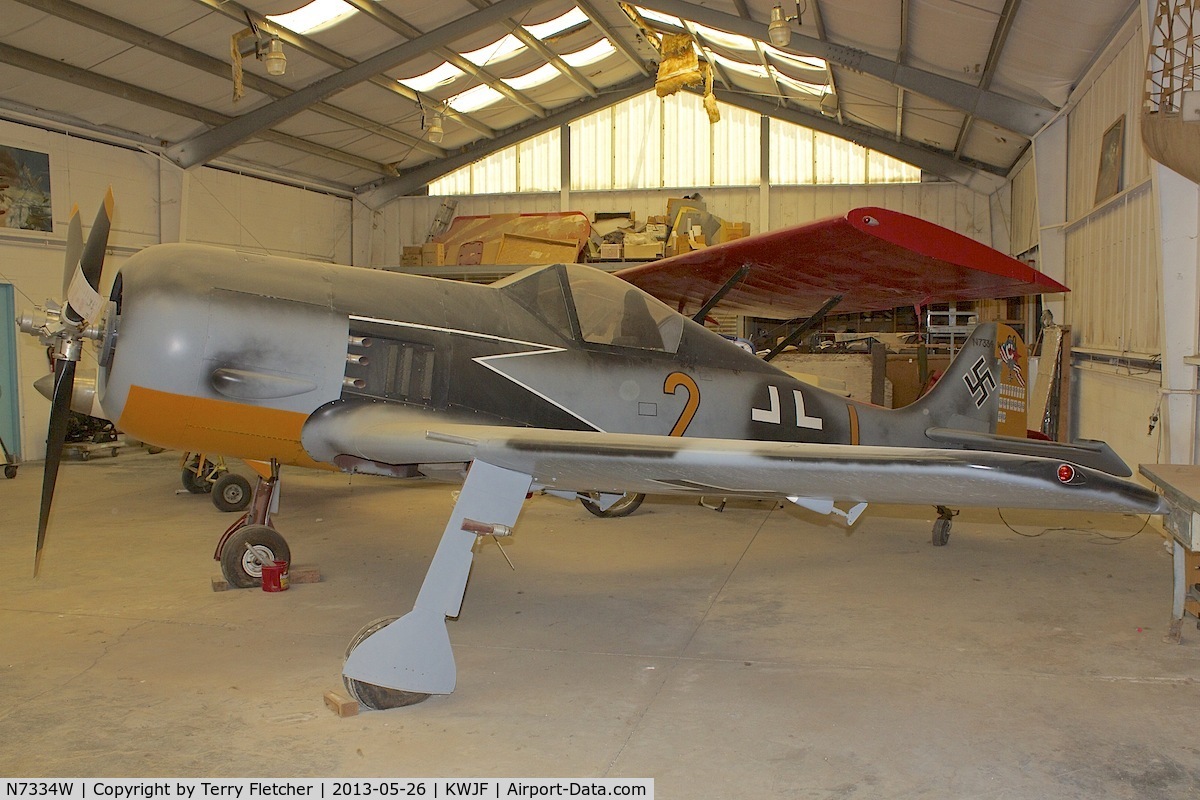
(376, 438)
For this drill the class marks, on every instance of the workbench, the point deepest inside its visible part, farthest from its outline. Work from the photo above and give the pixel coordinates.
(1180, 484)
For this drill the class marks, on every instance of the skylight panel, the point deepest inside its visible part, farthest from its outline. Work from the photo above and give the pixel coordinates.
(496, 51)
(753, 70)
(543, 74)
(660, 17)
(440, 75)
(723, 39)
(570, 19)
(812, 62)
(590, 55)
(315, 16)
(814, 89)
(474, 99)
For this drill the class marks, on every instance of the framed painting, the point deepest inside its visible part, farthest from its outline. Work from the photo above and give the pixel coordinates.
(25, 190)
(1112, 161)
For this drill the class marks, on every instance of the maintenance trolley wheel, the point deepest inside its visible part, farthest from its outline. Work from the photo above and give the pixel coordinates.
(231, 492)
(10, 471)
(622, 508)
(377, 698)
(241, 568)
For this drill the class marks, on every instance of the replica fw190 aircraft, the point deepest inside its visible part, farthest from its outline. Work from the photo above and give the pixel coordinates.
(559, 378)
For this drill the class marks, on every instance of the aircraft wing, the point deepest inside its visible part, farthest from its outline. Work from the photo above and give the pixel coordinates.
(376, 438)
(875, 258)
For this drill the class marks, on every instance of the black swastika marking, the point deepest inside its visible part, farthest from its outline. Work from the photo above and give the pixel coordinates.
(980, 382)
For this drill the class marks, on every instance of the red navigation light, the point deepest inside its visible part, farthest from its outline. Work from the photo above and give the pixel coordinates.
(1066, 473)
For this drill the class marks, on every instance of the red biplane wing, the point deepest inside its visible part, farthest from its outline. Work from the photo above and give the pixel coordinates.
(875, 258)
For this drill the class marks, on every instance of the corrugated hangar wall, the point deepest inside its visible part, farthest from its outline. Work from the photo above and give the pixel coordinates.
(1112, 259)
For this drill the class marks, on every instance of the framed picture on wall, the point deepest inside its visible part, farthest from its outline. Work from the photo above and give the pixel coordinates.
(1112, 161)
(25, 190)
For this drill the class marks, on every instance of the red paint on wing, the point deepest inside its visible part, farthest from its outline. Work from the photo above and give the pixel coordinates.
(876, 258)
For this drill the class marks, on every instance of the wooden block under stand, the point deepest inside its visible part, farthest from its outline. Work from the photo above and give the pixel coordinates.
(297, 573)
(340, 704)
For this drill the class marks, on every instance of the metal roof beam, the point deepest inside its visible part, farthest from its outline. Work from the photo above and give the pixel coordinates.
(614, 38)
(1015, 115)
(819, 22)
(384, 191)
(237, 13)
(78, 76)
(211, 144)
(1003, 26)
(928, 160)
(542, 49)
(386, 18)
(160, 45)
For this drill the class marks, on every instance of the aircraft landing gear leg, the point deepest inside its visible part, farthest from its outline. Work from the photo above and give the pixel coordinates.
(941, 525)
(240, 567)
(396, 663)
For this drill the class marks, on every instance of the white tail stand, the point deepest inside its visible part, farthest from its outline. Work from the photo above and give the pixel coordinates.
(413, 654)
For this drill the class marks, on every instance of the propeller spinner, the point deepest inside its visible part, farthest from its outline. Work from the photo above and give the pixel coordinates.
(63, 329)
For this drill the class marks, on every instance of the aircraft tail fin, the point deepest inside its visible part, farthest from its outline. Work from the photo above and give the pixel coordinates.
(980, 404)
(984, 388)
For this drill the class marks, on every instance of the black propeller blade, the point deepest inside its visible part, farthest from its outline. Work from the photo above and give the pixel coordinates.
(56, 435)
(91, 264)
(81, 281)
(92, 261)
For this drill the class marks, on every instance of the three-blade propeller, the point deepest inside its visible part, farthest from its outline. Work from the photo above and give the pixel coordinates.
(83, 306)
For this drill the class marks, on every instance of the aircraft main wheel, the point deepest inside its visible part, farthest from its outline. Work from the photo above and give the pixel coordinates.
(377, 698)
(941, 532)
(622, 508)
(231, 492)
(10, 471)
(196, 482)
(239, 566)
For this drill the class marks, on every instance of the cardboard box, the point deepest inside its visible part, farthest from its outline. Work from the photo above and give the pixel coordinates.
(636, 252)
(411, 256)
(734, 230)
(610, 251)
(656, 230)
(658, 219)
(433, 254)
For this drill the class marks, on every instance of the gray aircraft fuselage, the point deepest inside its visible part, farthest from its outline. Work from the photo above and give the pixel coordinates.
(256, 342)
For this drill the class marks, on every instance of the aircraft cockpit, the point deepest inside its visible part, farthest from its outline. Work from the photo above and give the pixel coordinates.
(593, 307)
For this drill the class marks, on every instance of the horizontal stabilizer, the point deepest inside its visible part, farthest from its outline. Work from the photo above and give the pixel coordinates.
(1085, 452)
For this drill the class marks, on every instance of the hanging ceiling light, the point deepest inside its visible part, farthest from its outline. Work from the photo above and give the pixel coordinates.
(778, 30)
(434, 130)
(273, 57)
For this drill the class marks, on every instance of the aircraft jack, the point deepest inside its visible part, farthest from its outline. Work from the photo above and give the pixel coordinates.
(941, 525)
(239, 566)
(397, 662)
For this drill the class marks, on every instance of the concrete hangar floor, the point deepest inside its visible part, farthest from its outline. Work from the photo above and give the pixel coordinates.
(758, 652)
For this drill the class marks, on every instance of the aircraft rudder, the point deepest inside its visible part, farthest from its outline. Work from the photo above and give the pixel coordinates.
(985, 387)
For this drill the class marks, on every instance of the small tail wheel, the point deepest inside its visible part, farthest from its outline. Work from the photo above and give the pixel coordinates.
(377, 698)
(941, 525)
(622, 508)
(231, 492)
(242, 568)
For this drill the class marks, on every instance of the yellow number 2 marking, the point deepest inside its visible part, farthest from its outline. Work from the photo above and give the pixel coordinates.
(671, 386)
